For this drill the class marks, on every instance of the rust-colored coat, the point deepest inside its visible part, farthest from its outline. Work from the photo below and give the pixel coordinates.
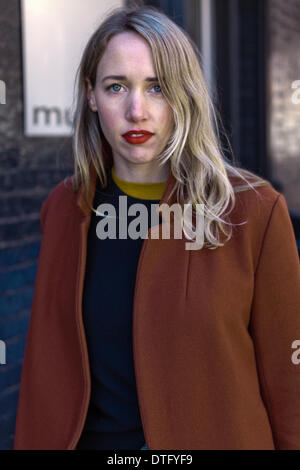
(212, 333)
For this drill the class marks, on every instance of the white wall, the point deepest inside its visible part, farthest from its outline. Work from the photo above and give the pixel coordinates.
(54, 35)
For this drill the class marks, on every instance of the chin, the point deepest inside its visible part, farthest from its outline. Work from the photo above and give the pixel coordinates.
(141, 158)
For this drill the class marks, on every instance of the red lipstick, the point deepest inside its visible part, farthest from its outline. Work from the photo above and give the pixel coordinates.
(137, 136)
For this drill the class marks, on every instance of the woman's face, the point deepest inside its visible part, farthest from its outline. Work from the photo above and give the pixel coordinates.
(130, 101)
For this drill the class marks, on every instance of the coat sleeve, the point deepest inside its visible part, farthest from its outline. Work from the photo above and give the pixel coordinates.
(275, 325)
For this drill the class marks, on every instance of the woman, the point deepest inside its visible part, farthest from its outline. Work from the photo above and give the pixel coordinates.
(143, 339)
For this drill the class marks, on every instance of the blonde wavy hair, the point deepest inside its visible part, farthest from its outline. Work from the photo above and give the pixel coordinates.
(202, 172)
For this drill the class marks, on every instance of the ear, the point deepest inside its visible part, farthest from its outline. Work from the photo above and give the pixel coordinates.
(90, 95)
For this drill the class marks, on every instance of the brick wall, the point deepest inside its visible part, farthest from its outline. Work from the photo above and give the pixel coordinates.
(29, 169)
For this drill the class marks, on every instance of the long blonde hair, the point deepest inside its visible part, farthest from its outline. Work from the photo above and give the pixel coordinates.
(202, 172)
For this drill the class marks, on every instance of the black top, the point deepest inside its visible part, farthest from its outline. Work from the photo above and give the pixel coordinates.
(113, 419)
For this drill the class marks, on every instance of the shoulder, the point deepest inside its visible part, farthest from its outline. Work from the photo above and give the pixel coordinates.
(61, 200)
(256, 199)
(261, 213)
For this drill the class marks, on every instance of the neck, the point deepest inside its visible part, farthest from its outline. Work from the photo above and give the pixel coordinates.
(141, 173)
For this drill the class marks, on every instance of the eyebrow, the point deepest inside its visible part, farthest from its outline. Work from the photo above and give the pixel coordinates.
(123, 77)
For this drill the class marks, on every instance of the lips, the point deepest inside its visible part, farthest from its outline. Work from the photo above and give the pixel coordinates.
(135, 132)
(137, 136)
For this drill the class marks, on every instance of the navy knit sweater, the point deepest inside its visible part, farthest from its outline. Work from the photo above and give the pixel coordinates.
(113, 420)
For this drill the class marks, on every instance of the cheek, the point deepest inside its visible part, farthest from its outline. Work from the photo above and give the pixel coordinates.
(169, 120)
(108, 119)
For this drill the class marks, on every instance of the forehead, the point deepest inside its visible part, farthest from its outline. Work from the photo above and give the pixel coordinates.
(127, 51)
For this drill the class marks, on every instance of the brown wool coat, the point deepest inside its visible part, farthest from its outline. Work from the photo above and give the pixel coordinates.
(212, 333)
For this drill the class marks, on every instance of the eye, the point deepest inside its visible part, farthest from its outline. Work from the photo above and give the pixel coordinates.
(159, 88)
(114, 87)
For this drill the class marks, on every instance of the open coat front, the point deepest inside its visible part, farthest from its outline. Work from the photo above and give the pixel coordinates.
(212, 332)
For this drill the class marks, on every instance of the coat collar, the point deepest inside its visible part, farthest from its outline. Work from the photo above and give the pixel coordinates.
(84, 205)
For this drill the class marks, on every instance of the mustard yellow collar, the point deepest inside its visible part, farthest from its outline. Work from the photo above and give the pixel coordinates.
(152, 191)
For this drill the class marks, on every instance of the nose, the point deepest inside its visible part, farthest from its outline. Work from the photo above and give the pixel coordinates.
(136, 107)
